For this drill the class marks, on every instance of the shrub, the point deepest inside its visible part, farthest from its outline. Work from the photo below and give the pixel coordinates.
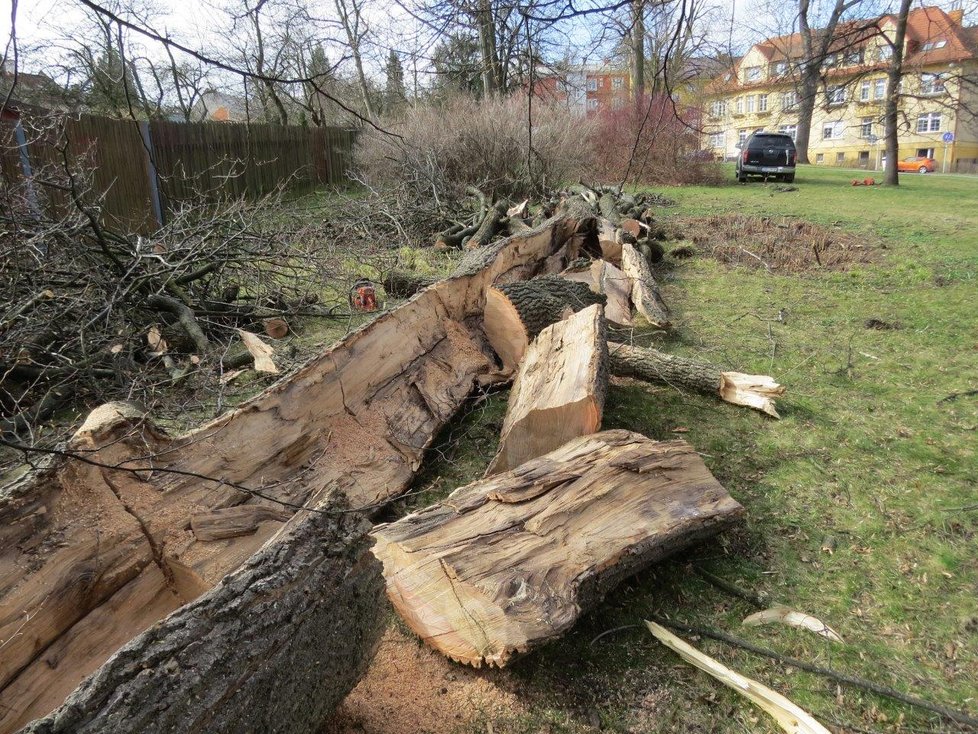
(444, 149)
(668, 150)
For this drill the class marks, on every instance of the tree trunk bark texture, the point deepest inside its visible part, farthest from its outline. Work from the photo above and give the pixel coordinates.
(508, 563)
(94, 554)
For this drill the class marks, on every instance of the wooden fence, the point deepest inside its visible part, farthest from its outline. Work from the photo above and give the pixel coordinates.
(147, 169)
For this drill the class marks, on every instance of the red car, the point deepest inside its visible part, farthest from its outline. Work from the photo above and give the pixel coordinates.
(917, 164)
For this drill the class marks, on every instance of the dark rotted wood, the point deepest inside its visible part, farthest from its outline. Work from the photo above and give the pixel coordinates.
(511, 562)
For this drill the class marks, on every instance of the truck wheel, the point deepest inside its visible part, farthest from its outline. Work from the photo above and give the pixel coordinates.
(789, 178)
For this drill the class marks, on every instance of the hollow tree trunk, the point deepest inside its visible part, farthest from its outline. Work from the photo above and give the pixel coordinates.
(559, 390)
(91, 556)
(508, 563)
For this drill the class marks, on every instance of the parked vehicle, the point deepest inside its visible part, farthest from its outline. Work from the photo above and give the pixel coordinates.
(917, 164)
(767, 155)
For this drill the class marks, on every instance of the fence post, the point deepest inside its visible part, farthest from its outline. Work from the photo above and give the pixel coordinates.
(151, 172)
(25, 166)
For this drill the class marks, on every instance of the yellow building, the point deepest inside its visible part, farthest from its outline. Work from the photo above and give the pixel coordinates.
(938, 103)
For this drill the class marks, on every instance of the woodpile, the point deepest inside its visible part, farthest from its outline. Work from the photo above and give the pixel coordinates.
(134, 563)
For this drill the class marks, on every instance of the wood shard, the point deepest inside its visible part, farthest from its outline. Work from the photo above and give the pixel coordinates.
(559, 390)
(508, 563)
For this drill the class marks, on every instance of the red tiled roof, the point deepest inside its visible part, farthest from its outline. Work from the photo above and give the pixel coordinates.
(927, 24)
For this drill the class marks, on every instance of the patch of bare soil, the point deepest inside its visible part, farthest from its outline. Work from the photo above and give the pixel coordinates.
(409, 688)
(780, 244)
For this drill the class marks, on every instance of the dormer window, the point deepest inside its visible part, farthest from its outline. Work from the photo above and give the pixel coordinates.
(780, 68)
(753, 73)
(854, 58)
(931, 45)
(885, 52)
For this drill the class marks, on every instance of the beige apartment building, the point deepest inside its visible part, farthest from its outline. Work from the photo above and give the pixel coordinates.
(938, 103)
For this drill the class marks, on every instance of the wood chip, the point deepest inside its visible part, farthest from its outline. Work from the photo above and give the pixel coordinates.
(260, 351)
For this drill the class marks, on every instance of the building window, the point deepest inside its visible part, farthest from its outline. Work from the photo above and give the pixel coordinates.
(864, 90)
(931, 84)
(885, 52)
(718, 108)
(866, 127)
(930, 45)
(820, 157)
(929, 122)
(753, 73)
(863, 158)
(762, 103)
(836, 95)
(832, 60)
(717, 140)
(879, 88)
(840, 158)
(592, 104)
(854, 58)
(789, 100)
(750, 102)
(617, 103)
(832, 130)
(779, 68)
(740, 105)
(742, 136)
(592, 85)
(791, 130)
(617, 83)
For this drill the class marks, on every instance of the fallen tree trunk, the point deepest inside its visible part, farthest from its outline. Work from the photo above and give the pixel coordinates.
(645, 291)
(753, 391)
(97, 548)
(559, 390)
(276, 646)
(515, 313)
(508, 563)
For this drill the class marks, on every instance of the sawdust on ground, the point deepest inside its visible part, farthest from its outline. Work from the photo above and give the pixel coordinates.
(410, 689)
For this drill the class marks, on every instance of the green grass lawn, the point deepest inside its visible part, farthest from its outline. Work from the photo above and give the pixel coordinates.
(862, 501)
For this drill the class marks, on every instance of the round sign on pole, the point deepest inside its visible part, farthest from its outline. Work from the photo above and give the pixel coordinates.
(948, 137)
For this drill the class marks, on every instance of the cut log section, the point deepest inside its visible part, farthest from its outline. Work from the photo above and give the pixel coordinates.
(508, 563)
(753, 391)
(603, 277)
(645, 291)
(515, 313)
(559, 390)
(93, 554)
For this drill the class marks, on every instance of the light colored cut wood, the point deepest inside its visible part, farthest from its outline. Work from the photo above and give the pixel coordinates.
(753, 391)
(559, 390)
(276, 328)
(609, 240)
(260, 351)
(91, 555)
(231, 522)
(510, 562)
(645, 291)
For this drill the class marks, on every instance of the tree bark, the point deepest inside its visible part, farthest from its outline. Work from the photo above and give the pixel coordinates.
(511, 562)
(559, 390)
(651, 365)
(891, 121)
(515, 313)
(638, 51)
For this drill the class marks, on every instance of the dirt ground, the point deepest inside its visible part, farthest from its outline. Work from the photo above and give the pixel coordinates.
(410, 689)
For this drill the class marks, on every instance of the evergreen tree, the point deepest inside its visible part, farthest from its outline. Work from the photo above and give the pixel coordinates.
(394, 92)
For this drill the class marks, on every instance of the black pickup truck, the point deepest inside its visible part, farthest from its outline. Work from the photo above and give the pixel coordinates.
(768, 155)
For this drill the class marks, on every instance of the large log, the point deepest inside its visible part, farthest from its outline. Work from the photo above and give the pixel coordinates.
(93, 554)
(753, 391)
(559, 390)
(515, 313)
(604, 278)
(510, 562)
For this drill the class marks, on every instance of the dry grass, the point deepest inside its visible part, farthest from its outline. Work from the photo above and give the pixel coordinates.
(781, 244)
